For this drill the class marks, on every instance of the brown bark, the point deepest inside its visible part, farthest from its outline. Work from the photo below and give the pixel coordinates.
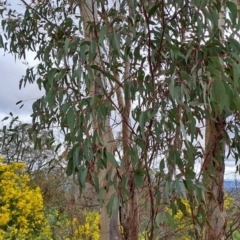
(130, 224)
(131, 221)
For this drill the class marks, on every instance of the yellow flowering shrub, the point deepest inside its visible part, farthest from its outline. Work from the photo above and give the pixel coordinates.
(143, 235)
(21, 207)
(89, 229)
(182, 221)
(228, 201)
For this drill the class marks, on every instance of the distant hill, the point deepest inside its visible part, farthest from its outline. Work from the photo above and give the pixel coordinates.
(232, 186)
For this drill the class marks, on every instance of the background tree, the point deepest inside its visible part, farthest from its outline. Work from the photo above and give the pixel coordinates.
(17, 144)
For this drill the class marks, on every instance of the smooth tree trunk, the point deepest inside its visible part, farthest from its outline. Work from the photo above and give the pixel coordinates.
(214, 166)
(109, 225)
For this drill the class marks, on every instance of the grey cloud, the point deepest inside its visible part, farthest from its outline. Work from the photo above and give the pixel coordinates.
(11, 73)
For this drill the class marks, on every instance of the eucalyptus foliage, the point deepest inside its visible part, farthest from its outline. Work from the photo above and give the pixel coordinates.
(180, 73)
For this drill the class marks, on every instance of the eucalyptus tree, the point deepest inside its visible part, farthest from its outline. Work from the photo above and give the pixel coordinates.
(153, 70)
(217, 130)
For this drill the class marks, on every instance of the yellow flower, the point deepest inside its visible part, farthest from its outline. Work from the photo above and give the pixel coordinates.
(21, 207)
(90, 228)
(4, 219)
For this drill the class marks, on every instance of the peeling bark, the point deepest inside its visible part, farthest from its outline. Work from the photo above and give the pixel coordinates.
(213, 177)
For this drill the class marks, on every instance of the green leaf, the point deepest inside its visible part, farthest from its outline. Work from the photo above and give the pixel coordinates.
(110, 204)
(66, 45)
(88, 153)
(233, 11)
(47, 52)
(153, 9)
(235, 76)
(162, 166)
(182, 206)
(159, 219)
(92, 52)
(183, 129)
(102, 35)
(1, 42)
(100, 194)
(138, 179)
(58, 147)
(117, 41)
(234, 44)
(65, 107)
(70, 119)
(219, 95)
(133, 152)
(83, 52)
(69, 171)
(185, 76)
(170, 220)
(82, 174)
(111, 159)
(76, 157)
(142, 121)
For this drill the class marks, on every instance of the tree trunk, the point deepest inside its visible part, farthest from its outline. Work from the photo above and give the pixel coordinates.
(131, 224)
(109, 226)
(130, 219)
(214, 165)
(213, 177)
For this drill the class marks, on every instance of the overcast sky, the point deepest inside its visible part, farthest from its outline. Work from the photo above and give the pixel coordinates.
(11, 73)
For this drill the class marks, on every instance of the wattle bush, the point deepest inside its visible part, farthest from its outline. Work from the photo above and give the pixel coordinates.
(21, 207)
